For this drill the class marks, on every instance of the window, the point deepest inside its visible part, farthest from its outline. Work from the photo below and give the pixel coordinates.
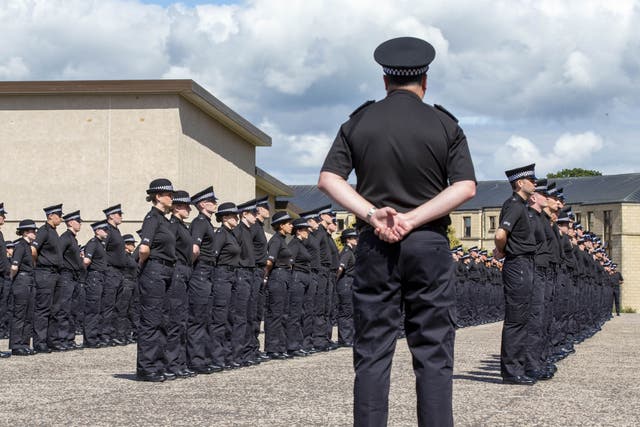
(467, 226)
(590, 221)
(607, 229)
(492, 223)
(579, 217)
(340, 224)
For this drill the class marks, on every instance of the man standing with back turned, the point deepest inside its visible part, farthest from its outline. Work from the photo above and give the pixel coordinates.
(413, 168)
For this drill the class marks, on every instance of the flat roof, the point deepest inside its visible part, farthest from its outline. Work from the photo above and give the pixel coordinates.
(188, 89)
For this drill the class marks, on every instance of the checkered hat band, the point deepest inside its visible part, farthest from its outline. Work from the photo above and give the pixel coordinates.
(284, 218)
(205, 197)
(71, 218)
(162, 188)
(52, 211)
(405, 71)
(521, 175)
(112, 211)
(181, 200)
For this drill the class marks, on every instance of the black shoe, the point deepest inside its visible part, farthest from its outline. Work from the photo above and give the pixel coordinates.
(169, 376)
(185, 373)
(313, 350)
(298, 353)
(333, 346)
(152, 377)
(96, 345)
(287, 355)
(277, 356)
(264, 356)
(42, 348)
(5, 354)
(118, 341)
(58, 348)
(205, 370)
(519, 380)
(20, 352)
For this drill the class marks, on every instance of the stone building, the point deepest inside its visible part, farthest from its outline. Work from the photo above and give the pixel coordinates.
(92, 144)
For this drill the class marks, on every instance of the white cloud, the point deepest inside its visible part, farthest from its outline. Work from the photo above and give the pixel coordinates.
(13, 69)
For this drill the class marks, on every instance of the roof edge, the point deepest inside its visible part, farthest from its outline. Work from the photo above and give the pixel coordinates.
(271, 184)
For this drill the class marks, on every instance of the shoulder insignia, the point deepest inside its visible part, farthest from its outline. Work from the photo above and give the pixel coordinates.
(444, 110)
(362, 107)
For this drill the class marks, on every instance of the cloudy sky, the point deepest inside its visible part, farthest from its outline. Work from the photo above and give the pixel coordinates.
(555, 82)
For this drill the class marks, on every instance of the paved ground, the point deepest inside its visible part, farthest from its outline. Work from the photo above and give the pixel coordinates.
(599, 385)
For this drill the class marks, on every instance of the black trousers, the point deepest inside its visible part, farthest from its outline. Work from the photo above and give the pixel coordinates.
(24, 294)
(113, 278)
(344, 290)
(152, 337)
(295, 313)
(616, 298)
(308, 311)
(199, 293)
(275, 339)
(331, 303)
(517, 277)
(133, 313)
(59, 321)
(5, 305)
(46, 280)
(92, 308)
(77, 311)
(320, 310)
(252, 331)
(238, 313)
(175, 352)
(219, 328)
(124, 297)
(416, 272)
(535, 325)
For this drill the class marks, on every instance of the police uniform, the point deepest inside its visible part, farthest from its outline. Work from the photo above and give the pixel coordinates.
(178, 305)
(517, 276)
(426, 151)
(199, 289)
(5, 284)
(129, 325)
(61, 329)
(95, 252)
(259, 289)
(299, 283)
(279, 257)
(321, 304)
(115, 298)
(312, 244)
(155, 279)
(23, 292)
(48, 264)
(344, 290)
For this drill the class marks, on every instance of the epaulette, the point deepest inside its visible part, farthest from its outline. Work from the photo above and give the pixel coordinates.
(363, 106)
(444, 110)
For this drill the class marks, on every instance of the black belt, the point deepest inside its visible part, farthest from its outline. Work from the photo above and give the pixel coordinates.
(302, 270)
(205, 262)
(182, 263)
(512, 257)
(48, 267)
(163, 262)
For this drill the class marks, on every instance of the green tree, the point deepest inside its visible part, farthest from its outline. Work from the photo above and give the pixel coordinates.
(451, 234)
(572, 173)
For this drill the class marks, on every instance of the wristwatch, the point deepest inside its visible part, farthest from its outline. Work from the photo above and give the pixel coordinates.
(370, 213)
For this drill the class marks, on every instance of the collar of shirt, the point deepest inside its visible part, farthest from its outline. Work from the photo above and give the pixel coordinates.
(518, 197)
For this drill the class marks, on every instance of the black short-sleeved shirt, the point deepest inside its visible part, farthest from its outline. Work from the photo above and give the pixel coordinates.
(226, 248)
(70, 251)
(202, 232)
(259, 243)
(335, 253)
(244, 236)
(22, 257)
(543, 252)
(47, 244)
(95, 251)
(300, 255)
(514, 219)
(313, 246)
(348, 260)
(131, 270)
(278, 252)
(556, 245)
(156, 233)
(184, 241)
(4, 261)
(567, 250)
(617, 278)
(404, 152)
(114, 245)
(322, 235)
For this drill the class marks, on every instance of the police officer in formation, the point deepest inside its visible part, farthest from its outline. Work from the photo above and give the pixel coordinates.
(558, 285)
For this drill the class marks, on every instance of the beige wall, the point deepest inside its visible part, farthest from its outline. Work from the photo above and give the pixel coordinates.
(92, 151)
(628, 258)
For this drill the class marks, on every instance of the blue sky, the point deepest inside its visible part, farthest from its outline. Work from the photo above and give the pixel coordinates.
(556, 83)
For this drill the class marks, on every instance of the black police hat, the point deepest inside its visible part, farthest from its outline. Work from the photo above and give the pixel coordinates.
(324, 210)
(541, 186)
(226, 208)
(55, 209)
(348, 233)
(263, 202)
(552, 191)
(2, 211)
(206, 194)
(128, 238)
(405, 56)
(300, 223)
(181, 196)
(113, 210)
(312, 214)
(563, 217)
(160, 185)
(249, 206)
(524, 172)
(279, 218)
(473, 249)
(26, 224)
(72, 216)
(100, 224)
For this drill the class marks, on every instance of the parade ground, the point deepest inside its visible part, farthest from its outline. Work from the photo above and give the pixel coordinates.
(597, 386)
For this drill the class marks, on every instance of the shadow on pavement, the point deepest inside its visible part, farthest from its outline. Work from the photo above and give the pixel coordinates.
(130, 377)
(491, 380)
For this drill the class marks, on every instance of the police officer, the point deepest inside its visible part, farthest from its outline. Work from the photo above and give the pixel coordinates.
(95, 261)
(312, 244)
(115, 298)
(349, 238)
(48, 264)
(23, 290)
(226, 254)
(259, 289)
(64, 334)
(199, 288)
(300, 281)
(321, 341)
(413, 167)
(277, 277)
(157, 261)
(176, 349)
(131, 323)
(5, 283)
(515, 239)
(618, 280)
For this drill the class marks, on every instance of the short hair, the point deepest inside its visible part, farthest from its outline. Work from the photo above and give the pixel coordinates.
(404, 80)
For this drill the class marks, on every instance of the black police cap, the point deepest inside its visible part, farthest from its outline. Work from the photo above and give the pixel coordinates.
(300, 223)
(206, 194)
(181, 196)
(405, 56)
(72, 216)
(2, 211)
(524, 172)
(279, 218)
(55, 209)
(113, 210)
(26, 224)
(128, 238)
(226, 208)
(160, 185)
